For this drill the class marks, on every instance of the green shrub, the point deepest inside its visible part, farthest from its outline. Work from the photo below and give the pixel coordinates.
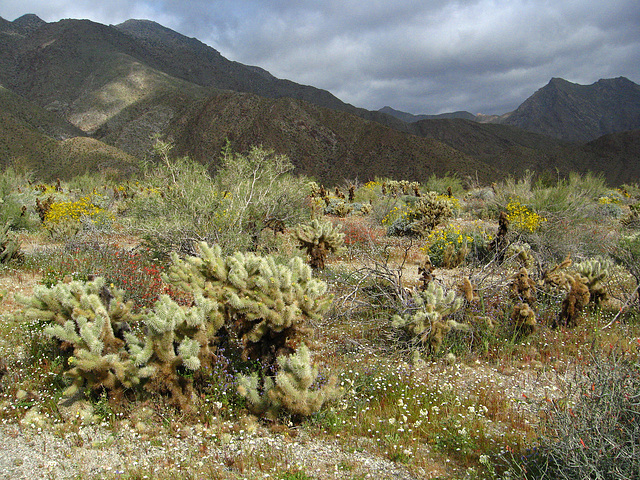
(185, 205)
(595, 431)
(442, 184)
(449, 247)
(64, 219)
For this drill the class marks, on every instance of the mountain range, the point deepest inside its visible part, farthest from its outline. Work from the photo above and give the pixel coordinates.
(78, 96)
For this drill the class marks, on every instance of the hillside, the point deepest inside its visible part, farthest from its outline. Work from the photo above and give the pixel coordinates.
(123, 85)
(35, 117)
(573, 112)
(34, 139)
(516, 151)
(126, 84)
(326, 144)
(618, 154)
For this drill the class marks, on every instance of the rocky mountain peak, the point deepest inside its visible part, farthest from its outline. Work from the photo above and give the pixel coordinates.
(28, 23)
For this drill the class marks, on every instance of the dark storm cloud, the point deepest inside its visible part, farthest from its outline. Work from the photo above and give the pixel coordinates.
(419, 56)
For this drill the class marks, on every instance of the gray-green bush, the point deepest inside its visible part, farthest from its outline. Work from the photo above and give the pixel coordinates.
(184, 205)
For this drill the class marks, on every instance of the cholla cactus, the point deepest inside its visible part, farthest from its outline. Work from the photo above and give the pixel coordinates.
(89, 317)
(469, 291)
(524, 318)
(315, 189)
(176, 337)
(521, 253)
(93, 320)
(319, 239)
(292, 389)
(267, 305)
(9, 246)
(595, 271)
(428, 213)
(523, 287)
(338, 208)
(577, 298)
(425, 319)
(556, 277)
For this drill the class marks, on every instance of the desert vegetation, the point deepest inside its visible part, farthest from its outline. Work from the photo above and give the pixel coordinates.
(445, 329)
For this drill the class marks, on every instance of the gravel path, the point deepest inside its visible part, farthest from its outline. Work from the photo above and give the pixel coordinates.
(94, 451)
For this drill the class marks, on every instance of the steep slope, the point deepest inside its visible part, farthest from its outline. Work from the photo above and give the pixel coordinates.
(68, 65)
(37, 140)
(35, 117)
(618, 155)
(87, 72)
(192, 60)
(575, 112)
(122, 86)
(326, 144)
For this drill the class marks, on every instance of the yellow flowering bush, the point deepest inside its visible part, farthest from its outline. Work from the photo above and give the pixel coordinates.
(523, 219)
(65, 218)
(612, 198)
(393, 215)
(449, 247)
(422, 215)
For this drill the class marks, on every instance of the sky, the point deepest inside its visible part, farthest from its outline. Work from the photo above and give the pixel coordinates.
(418, 56)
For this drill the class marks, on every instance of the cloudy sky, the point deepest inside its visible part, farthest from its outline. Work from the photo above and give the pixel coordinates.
(419, 56)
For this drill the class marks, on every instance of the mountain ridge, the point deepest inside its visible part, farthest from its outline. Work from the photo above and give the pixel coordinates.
(126, 83)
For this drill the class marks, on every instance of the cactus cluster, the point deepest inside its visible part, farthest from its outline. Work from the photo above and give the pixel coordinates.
(294, 388)
(338, 208)
(177, 339)
(318, 239)
(576, 300)
(265, 304)
(520, 253)
(577, 296)
(422, 215)
(429, 212)
(9, 246)
(90, 318)
(95, 323)
(425, 319)
(523, 289)
(596, 272)
(403, 187)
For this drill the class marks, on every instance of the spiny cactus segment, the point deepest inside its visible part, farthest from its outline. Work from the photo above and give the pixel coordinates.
(425, 320)
(293, 388)
(318, 239)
